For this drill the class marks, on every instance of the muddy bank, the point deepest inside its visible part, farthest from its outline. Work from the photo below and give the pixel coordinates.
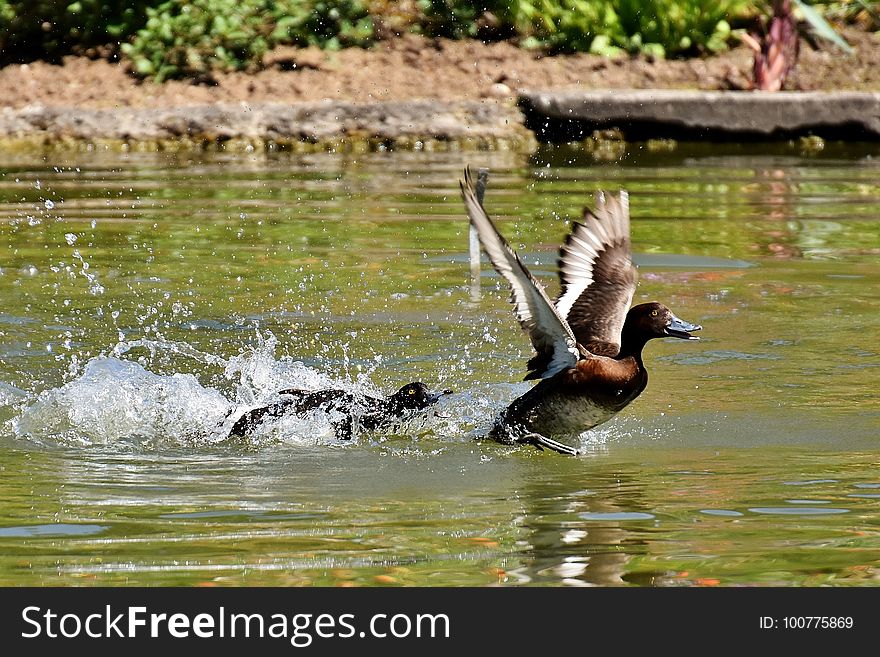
(409, 92)
(413, 67)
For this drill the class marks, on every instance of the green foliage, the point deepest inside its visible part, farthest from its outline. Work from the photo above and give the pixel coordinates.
(31, 29)
(657, 27)
(821, 27)
(459, 20)
(330, 25)
(676, 26)
(179, 38)
(455, 20)
(569, 25)
(193, 37)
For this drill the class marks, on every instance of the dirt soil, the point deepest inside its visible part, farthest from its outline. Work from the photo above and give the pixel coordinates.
(413, 67)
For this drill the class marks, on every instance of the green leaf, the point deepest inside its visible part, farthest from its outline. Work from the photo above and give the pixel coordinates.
(654, 50)
(143, 66)
(601, 45)
(821, 27)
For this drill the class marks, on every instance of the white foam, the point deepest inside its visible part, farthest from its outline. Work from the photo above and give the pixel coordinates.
(119, 400)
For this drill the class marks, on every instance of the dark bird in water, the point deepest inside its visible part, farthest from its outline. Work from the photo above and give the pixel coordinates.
(369, 413)
(588, 341)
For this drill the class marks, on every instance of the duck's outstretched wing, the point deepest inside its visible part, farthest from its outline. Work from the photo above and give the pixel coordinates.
(550, 335)
(597, 275)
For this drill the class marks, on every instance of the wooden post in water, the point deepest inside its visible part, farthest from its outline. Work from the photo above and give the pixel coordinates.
(474, 240)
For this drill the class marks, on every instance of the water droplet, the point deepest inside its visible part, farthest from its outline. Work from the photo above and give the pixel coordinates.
(71, 238)
(49, 205)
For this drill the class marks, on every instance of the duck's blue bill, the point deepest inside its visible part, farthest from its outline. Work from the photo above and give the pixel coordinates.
(678, 328)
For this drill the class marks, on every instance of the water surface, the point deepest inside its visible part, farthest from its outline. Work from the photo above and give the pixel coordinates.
(148, 298)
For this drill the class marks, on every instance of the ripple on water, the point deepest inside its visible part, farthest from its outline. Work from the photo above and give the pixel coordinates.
(54, 529)
(618, 515)
(709, 357)
(797, 511)
(14, 320)
(232, 514)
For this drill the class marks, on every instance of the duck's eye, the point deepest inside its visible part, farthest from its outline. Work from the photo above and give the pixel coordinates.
(654, 313)
(411, 391)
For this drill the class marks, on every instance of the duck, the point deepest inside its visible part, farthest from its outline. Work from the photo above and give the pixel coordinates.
(588, 342)
(369, 413)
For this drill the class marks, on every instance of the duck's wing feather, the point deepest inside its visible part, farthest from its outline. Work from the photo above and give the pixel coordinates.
(551, 337)
(597, 275)
(307, 400)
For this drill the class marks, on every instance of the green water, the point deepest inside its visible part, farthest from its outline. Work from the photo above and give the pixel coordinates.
(144, 297)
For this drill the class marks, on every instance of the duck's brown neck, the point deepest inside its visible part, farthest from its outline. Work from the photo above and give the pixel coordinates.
(632, 341)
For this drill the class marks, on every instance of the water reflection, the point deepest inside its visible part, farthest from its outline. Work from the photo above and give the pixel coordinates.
(580, 536)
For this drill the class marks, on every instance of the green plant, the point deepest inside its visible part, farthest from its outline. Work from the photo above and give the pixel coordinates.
(676, 26)
(194, 37)
(860, 12)
(821, 27)
(656, 27)
(457, 19)
(566, 25)
(330, 25)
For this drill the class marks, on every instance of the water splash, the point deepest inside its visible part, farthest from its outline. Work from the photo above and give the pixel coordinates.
(118, 400)
(146, 392)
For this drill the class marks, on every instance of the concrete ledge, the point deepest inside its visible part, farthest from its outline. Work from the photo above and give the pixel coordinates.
(702, 115)
(390, 123)
(434, 125)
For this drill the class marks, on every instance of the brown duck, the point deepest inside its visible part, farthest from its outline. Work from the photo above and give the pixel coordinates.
(588, 341)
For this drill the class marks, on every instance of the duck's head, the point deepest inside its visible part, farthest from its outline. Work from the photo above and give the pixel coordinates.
(415, 396)
(654, 320)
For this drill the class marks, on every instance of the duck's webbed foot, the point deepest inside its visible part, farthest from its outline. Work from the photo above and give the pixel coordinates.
(541, 442)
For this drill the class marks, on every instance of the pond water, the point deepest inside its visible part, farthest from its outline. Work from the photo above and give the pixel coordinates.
(146, 299)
